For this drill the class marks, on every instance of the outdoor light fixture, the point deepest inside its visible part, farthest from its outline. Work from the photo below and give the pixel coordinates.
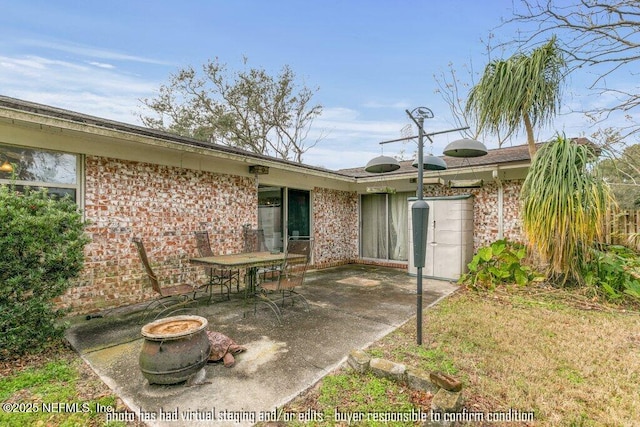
(6, 167)
(420, 208)
(466, 183)
(381, 190)
(382, 164)
(431, 163)
(465, 148)
(259, 170)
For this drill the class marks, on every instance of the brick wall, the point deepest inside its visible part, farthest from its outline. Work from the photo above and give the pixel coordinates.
(164, 206)
(485, 209)
(512, 222)
(335, 222)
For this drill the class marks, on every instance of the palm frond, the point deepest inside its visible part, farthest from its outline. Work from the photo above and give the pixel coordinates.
(563, 206)
(522, 85)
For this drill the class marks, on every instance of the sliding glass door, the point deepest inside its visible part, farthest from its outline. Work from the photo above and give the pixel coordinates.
(276, 221)
(270, 215)
(374, 226)
(298, 207)
(383, 226)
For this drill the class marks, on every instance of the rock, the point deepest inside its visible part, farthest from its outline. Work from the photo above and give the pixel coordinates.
(386, 369)
(419, 380)
(445, 381)
(446, 401)
(359, 360)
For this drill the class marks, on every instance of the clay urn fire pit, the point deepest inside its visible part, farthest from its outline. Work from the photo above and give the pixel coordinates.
(174, 349)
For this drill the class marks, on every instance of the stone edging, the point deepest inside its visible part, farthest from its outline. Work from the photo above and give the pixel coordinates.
(446, 390)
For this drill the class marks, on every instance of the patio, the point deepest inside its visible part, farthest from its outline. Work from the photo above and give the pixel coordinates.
(351, 307)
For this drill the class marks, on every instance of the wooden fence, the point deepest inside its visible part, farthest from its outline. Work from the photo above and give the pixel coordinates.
(619, 225)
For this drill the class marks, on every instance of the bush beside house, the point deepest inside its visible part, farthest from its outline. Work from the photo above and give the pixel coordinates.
(41, 249)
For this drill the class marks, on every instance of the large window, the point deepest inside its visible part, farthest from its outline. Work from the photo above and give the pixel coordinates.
(383, 226)
(57, 172)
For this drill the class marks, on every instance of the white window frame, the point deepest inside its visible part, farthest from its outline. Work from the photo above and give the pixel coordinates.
(78, 186)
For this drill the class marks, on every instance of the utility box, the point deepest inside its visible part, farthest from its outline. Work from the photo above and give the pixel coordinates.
(449, 237)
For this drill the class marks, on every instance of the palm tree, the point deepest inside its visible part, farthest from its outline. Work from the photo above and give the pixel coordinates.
(563, 207)
(523, 88)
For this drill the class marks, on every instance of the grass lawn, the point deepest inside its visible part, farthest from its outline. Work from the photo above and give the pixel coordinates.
(54, 388)
(570, 360)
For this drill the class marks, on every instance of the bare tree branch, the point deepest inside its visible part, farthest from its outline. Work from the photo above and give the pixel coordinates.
(249, 109)
(603, 35)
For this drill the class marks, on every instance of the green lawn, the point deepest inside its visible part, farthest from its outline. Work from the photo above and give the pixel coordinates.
(55, 388)
(568, 359)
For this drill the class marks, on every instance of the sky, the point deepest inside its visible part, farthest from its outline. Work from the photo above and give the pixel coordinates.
(369, 59)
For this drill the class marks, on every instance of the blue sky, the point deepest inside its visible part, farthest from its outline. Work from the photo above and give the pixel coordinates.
(371, 60)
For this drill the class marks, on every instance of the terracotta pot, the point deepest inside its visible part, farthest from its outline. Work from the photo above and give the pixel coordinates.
(174, 348)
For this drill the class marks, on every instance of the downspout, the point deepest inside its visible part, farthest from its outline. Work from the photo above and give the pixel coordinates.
(496, 178)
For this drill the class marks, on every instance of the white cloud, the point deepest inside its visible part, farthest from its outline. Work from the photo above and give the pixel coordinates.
(348, 122)
(344, 157)
(88, 89)
(101, 65)
(90, 51)
(397, 105)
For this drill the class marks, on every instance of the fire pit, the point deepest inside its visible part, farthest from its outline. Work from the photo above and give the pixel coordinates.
(174, 349)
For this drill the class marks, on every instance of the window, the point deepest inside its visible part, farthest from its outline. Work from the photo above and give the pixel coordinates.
(28, 167)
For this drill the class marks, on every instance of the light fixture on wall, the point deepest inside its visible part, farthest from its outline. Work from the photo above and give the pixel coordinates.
(381, 190)
(259, 170)
(6, 167)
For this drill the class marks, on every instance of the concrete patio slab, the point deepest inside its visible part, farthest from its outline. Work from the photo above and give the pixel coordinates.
(350, 307)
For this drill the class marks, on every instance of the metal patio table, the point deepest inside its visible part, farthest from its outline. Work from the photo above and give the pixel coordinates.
(251, 261)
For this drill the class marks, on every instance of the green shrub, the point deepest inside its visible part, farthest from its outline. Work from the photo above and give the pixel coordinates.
(499, 263)
(41, 249)
(615, 271)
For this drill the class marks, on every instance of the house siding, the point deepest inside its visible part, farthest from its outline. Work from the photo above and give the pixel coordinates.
(485, 210)
(164, 206)
(160, 187)
(335, 219)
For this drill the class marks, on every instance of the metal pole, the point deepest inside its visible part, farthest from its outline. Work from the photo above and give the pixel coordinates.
(420, 211)
(428, 135)
(420, 196)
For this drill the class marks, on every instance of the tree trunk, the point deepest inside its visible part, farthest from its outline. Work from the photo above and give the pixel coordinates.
(530, 138)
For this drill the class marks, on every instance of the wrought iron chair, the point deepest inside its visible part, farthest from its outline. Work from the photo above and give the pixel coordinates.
(254, 241)
(169, 299)
(291, 276)
(217, 276)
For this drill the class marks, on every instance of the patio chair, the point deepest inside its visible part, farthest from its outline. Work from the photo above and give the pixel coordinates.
(291, 277)
(169, 299)
(254, 241)
(217, 276)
